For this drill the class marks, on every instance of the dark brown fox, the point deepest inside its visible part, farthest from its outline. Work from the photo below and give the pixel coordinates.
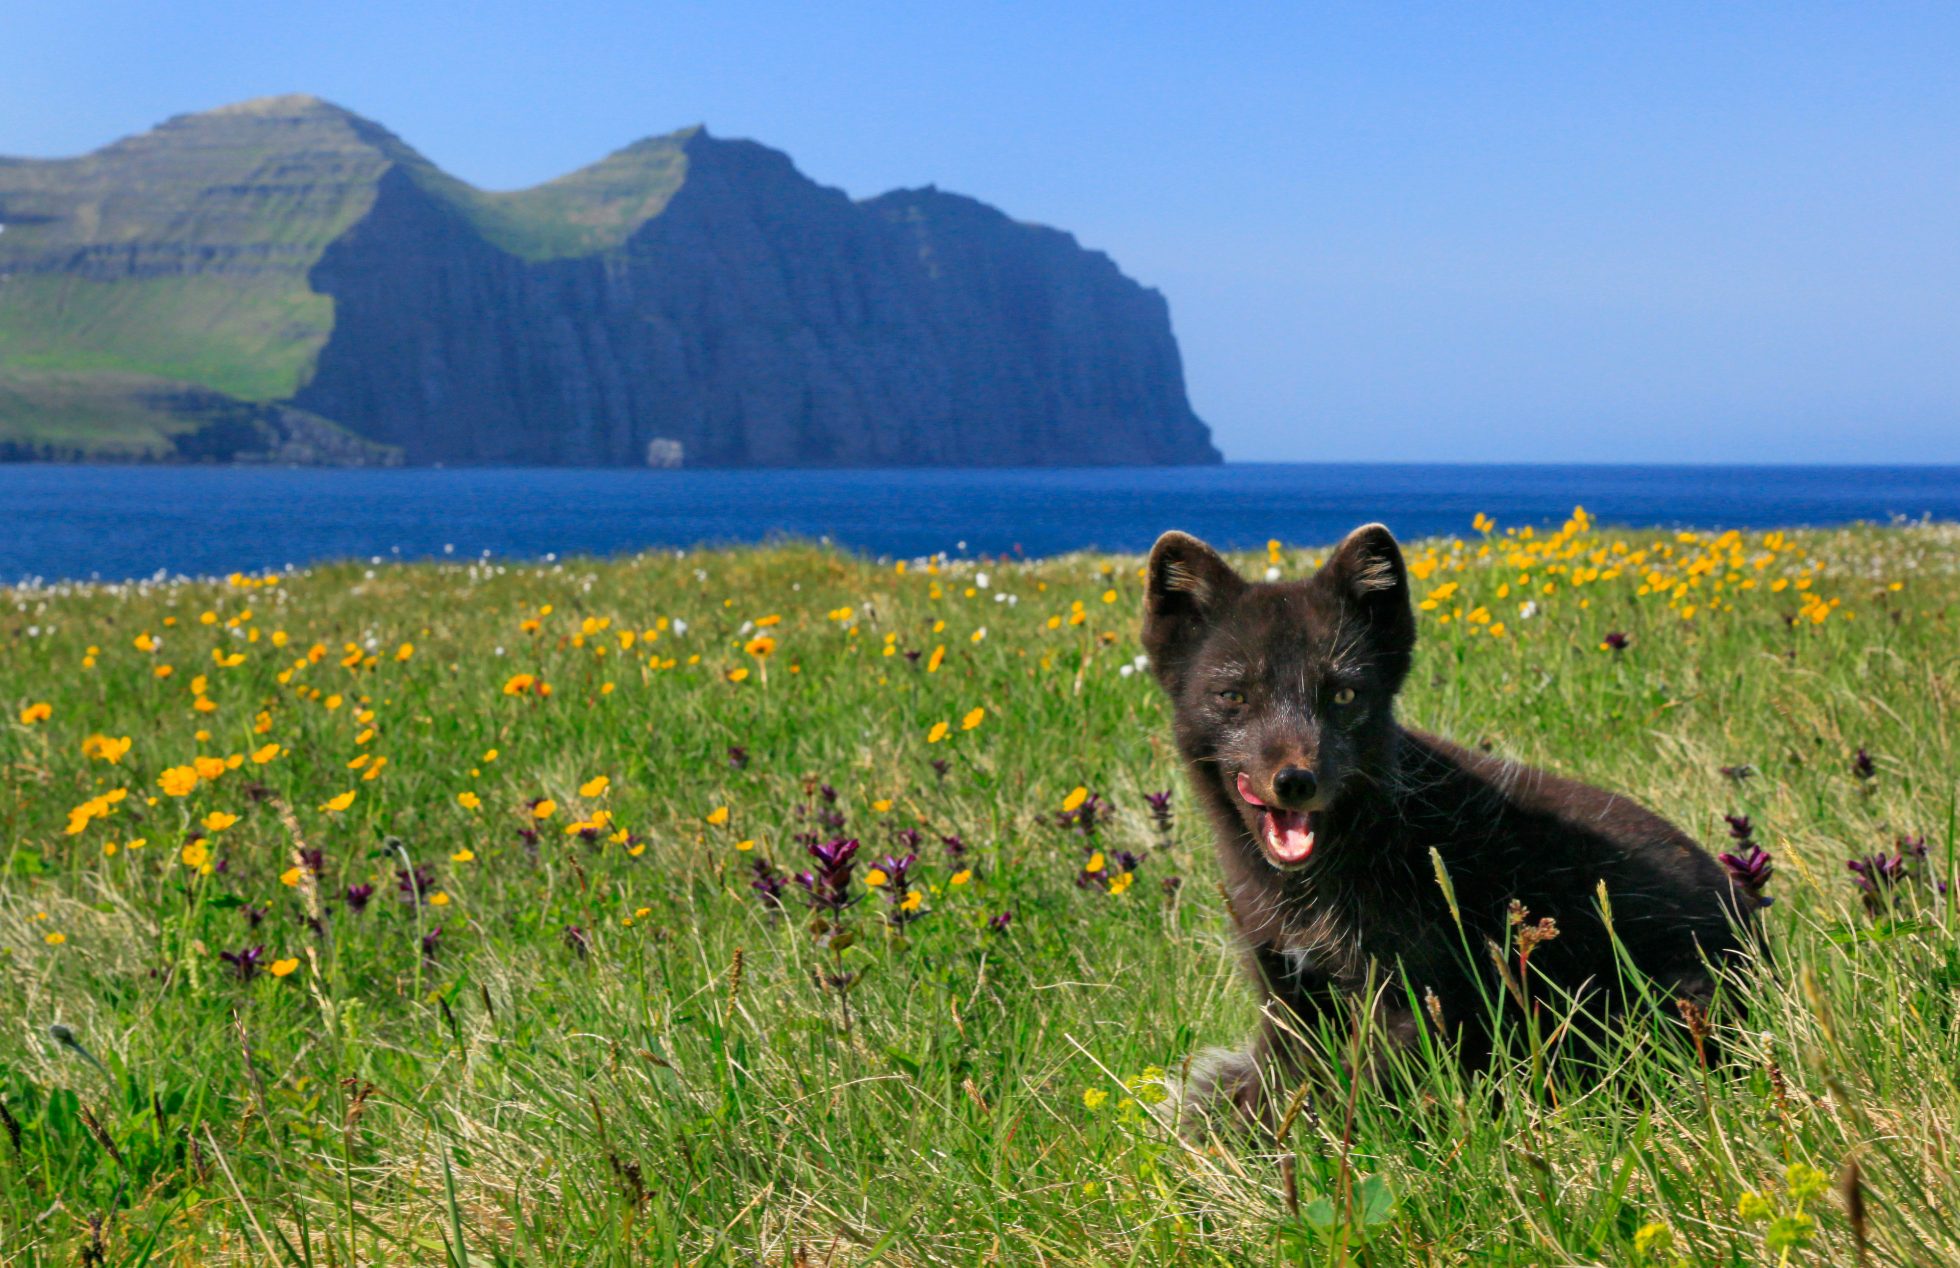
(1327, 812)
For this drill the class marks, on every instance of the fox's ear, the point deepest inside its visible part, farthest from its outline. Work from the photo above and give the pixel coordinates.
(1189, 585)
(1367, 572)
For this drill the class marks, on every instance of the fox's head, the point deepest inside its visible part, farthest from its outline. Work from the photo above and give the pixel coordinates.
(1284, 692)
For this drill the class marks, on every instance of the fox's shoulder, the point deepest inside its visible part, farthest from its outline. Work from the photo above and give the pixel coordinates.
(1504, 785)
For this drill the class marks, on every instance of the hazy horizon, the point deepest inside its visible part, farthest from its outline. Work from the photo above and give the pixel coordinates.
(1611, 237)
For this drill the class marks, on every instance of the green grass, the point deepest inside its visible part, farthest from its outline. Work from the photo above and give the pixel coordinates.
(107, 414)
(672, 1084)
(256, 341)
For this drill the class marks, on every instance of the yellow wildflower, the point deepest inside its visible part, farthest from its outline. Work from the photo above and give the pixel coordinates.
(106, 749)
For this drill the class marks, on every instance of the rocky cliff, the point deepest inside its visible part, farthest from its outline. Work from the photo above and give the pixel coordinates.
(687, 297)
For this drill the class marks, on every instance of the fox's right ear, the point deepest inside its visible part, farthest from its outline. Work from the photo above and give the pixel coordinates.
(1189, 584)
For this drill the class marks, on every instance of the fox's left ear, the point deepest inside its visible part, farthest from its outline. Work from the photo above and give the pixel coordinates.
(1367, 572)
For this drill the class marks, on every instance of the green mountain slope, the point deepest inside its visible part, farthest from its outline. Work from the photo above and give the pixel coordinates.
(184, 252)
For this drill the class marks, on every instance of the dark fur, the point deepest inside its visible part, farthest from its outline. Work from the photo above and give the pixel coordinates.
(1367, 899)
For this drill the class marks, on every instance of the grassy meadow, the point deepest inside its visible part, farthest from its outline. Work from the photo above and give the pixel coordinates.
(447, 913)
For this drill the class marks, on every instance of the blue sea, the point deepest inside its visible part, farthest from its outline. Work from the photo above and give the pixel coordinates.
(70, 522)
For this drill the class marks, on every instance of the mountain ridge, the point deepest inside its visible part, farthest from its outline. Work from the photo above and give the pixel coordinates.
(685, 289)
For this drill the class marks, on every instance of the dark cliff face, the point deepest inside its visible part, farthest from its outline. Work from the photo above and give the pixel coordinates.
(759, 319)
(685, 289)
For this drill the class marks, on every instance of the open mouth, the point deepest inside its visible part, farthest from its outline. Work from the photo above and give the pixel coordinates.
(1287, 835)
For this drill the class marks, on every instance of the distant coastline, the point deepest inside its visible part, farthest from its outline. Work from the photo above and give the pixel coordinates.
(119, 522)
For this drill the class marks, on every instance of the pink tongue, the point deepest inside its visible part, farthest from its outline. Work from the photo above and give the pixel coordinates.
(1245, 790)
(1289, 839)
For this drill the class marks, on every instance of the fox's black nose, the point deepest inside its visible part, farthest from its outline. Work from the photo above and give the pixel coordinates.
(1294, 785)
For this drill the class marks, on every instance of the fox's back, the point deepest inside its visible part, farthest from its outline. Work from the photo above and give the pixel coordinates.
(1509, 831)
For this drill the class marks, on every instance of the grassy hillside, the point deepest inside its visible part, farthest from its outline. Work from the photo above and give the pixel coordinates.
(108, 414)
(183, 253)
(412, 912)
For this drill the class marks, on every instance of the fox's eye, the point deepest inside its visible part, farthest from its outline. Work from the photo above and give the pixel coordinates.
(1344, 696)
(1232, 697)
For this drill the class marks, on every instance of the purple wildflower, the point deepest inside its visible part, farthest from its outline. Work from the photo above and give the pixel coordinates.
(253, 915)
(432, 943)
(768, 884)
(940, 766)
(1862, 765)
(829, 885)
(955, 847)
(1616, 641)
(578, 940)
(1750, 868)
(1160, 809)
(414, 887)
(738, 757)
(1878, 874)
(897, 870)
(1740, 828)
(1000, 922)
(245, 961)
(357, 897)
(1882, 877)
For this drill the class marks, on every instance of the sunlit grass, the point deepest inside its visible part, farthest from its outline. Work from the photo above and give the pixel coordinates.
(566, 1026)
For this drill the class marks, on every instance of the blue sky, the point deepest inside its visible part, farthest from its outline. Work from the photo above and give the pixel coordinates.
(1387, 232)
